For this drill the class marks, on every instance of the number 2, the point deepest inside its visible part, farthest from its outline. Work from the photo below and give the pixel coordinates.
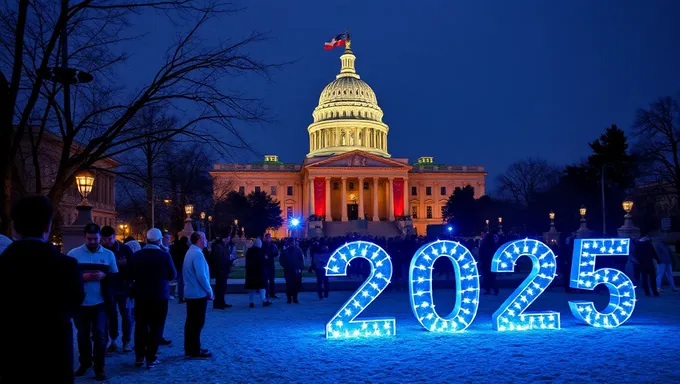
(511, 316)
(467, 286)
(585, 276)
(343, 325)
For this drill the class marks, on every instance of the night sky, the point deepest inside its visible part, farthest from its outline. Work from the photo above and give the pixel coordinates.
(468, 82)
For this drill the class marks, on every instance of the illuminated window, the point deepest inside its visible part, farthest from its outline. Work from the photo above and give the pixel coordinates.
(414, 191)
(428, 191)
(289, 190)
(414, 211)
(273, 191)
(429, 211)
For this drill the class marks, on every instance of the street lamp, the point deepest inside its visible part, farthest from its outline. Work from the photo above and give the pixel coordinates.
(202, 215)
(294, 223)
(84, 182)
(500, 225)
(189, 210)
(582, 211)
(551, 215)
(124, 227)
(628, 229)
(627, 206)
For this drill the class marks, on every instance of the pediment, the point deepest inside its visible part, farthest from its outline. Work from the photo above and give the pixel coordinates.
(358, 159)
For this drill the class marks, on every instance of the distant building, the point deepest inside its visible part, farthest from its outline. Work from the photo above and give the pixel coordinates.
(348, 173)
(102, 197)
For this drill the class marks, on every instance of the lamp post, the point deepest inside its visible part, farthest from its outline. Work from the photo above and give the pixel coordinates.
(209, 226)
(500, 225)
(552, 236)
(188, 228)
(628, 229)
(84, 183)
(487, 224)
(124, 227)
(583, 231)
(202, 222)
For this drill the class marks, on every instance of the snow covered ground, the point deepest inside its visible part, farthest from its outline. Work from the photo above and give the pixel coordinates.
(285, 343)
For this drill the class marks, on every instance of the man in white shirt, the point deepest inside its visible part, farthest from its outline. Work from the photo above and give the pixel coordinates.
(97, 264)
(197, 292)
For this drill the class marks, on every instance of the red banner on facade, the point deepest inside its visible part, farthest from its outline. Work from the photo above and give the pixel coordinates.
(320, 196)
(398, 197)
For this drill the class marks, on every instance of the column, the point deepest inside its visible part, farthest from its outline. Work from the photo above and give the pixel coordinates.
(421, 202)
(406, 204)
(361, 198)
(328, 199)
(390, 208)
(375, 199)
(310, 188)
(343, 192)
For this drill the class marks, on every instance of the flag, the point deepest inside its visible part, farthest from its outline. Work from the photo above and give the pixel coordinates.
(337, 41)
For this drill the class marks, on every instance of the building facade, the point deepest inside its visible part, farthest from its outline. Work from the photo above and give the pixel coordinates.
(348, 173)
(102, 196)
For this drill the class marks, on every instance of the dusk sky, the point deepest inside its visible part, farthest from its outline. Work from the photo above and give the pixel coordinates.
(468, 82)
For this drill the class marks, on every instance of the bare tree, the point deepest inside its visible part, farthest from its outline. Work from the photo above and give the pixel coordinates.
(524, 179)
(95, 121)
(657, 130)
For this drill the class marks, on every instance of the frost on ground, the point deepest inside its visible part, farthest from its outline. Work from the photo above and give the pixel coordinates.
(285, 344)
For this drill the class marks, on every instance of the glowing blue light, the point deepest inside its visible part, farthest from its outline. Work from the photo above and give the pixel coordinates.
(294, 222)
(585, 276)
(467, 286)
(511, 316)
(343, 325)
(449, 228)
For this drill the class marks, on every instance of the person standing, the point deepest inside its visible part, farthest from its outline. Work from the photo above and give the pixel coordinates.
(292, 261)
(120, 291)
(255, 276)
(270, 251)
(220, 256)
(178, 250)
(319, 263)
(197, 292)
(151, 271)
(486, 251)
(645, 255)
(50, 300)
(665, 266)
(98, 267)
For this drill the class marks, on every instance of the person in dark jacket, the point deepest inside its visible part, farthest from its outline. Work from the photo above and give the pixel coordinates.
(319, 263)
(222, 266)
(120, 290)
(151, 271)
(645, 255)
(255, 278)
(178, 250)
(292, 260)
(60, 286)
(270, 251)
(486, 251)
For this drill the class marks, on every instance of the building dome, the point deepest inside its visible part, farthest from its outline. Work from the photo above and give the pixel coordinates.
(348, 116)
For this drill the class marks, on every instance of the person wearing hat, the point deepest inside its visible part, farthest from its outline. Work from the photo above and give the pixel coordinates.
(151, 271)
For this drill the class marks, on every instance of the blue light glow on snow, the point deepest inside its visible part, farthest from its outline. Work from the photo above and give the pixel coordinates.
(585, 276)
(511, 316)
(467, 286)
(343, 325)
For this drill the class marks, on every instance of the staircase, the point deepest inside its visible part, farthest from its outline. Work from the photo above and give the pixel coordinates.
(373, 228)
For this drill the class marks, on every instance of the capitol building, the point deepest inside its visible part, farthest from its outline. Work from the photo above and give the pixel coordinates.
(349, 182)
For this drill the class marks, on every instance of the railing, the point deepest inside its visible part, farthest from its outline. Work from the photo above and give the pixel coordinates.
(448, 168)
(257, 167)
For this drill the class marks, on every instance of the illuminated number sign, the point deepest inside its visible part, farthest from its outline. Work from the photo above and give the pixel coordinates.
(511, 316)
(467, 286)
(343, 324)
(585, 276)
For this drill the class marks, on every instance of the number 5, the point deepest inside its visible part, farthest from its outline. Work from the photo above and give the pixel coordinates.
(585, 276)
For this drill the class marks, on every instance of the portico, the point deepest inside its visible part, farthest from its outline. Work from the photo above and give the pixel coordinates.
(356, 185)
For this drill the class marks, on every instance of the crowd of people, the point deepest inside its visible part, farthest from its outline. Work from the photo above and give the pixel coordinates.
(104, 284)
